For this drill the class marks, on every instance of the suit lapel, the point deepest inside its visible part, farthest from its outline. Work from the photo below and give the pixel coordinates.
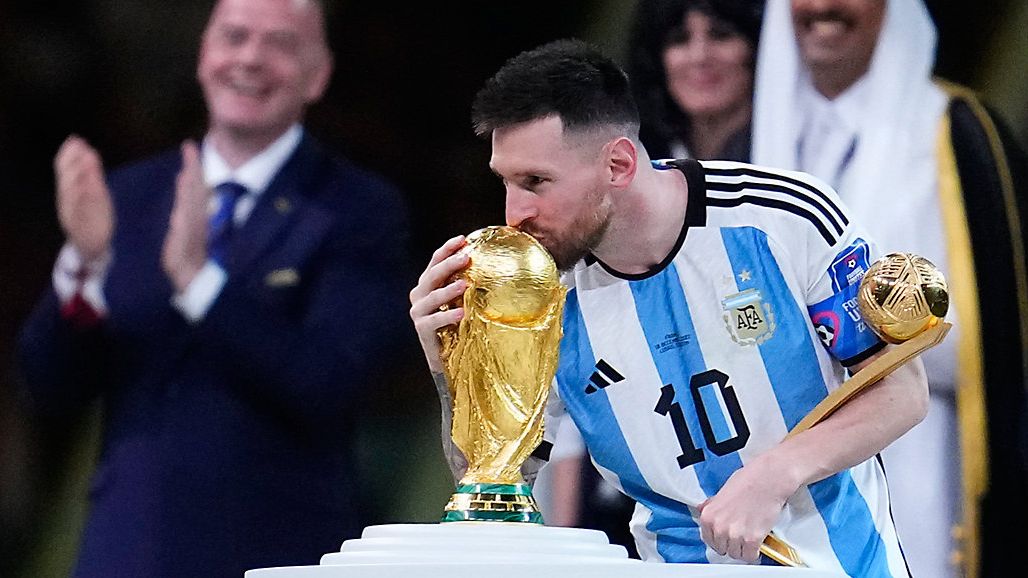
(277, 208)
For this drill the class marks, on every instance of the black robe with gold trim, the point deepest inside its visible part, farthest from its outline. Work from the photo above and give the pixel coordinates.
(984, 190)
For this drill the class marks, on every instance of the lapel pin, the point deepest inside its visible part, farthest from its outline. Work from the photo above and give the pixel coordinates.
(283, 206)
(282, 278)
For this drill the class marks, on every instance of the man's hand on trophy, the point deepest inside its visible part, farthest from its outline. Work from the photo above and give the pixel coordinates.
(735, 521)
(437, 287)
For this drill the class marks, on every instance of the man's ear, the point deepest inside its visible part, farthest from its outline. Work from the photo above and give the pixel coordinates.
(320, 76)
(622, 161)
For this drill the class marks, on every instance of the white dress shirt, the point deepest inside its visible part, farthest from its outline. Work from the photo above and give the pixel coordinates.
(828, 139)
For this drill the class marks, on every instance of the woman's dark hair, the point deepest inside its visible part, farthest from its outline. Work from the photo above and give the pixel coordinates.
(656, 22)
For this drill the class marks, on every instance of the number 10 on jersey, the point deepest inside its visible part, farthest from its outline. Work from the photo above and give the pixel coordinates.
(717, 411)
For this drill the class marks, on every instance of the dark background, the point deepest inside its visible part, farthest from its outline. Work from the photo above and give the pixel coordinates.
(121, 73)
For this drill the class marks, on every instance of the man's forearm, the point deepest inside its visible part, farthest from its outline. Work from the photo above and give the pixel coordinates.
(454, 458)
(858, 430)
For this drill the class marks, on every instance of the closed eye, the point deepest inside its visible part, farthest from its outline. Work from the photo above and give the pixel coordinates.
(533, 182)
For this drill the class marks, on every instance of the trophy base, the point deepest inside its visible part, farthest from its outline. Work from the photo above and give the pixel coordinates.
(492, 503)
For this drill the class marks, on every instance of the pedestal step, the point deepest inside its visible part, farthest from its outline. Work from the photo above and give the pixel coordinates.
(471, 542)
(503, 550)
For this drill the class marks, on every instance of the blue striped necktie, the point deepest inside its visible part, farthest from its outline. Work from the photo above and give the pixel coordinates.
(221, 225)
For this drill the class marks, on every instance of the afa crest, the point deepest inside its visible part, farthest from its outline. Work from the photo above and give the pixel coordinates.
(749, 320)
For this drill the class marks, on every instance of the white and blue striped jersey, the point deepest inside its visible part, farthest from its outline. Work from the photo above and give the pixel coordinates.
(679, 376)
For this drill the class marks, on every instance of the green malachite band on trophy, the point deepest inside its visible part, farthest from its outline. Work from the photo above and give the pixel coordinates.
(503, 489)
(478, 516)
(481, 502)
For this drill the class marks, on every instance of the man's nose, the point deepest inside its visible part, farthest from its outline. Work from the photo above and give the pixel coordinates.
(519, 206)
(250, 53)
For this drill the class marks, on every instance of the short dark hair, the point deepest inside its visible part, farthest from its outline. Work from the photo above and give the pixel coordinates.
(568, 78)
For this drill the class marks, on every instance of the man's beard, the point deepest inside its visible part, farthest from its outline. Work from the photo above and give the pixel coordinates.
(578, 240)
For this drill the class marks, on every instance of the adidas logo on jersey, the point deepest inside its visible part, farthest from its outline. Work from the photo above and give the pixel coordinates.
(603, 376)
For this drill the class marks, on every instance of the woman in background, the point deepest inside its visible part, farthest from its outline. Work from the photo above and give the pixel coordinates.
(691, 63)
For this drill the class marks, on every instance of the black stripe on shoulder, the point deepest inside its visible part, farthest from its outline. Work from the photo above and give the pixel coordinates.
(775, 188)
(696, 206)
(776, 204)
(755, 172)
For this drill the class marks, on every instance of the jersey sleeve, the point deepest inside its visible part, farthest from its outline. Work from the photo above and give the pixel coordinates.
(835, 273)
(811, 232)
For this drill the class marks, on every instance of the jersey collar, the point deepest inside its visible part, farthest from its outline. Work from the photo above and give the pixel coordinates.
(695, 216)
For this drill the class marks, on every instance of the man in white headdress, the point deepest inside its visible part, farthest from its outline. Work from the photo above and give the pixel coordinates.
(844, 91)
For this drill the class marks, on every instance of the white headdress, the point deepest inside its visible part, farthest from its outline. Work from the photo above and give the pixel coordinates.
(894, 160)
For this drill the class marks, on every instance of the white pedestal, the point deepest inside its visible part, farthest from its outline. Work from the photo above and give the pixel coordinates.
(501, 550)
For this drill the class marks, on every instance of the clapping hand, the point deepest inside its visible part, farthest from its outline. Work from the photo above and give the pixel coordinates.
(185, 246)
(84, 207)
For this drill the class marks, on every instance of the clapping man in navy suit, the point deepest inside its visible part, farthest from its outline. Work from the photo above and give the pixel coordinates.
(229, 303)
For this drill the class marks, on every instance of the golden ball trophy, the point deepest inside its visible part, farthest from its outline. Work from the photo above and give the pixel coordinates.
(499, 362)
(903, 298)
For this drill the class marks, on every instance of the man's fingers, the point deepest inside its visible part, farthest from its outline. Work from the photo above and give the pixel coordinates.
(431, 323)
(191, 192)
(190, 177)
(449, 248)
(77, 156)
(439, 274)
(730, 542)
(733, 548)
(190, 156)
(707, 536)
(69, 152)
(445, 261)
(437, 298)
(711, 532)
(77, 164)
(751, 550)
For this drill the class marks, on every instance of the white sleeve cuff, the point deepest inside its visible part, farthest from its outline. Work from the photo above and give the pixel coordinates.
(201, 293)
(72, 275)
(568, 443)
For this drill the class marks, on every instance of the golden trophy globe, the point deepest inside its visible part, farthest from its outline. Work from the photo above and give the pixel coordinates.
(499, 362)
(902, 295)
(903, 298)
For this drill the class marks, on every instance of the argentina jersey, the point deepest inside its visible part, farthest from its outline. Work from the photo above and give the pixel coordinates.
(679, 376)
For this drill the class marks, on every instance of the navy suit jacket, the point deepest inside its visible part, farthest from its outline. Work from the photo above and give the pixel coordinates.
(226, 443)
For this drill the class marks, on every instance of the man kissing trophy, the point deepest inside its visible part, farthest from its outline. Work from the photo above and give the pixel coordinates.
(500, 361)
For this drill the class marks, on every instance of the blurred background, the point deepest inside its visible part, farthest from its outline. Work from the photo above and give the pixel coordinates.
(121, 73)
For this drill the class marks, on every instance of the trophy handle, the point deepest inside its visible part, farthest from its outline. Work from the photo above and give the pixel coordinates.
(774, 547)
(874, 372)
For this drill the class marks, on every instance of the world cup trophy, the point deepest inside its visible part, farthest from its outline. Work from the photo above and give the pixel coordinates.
(903, 298)
(499, 362)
